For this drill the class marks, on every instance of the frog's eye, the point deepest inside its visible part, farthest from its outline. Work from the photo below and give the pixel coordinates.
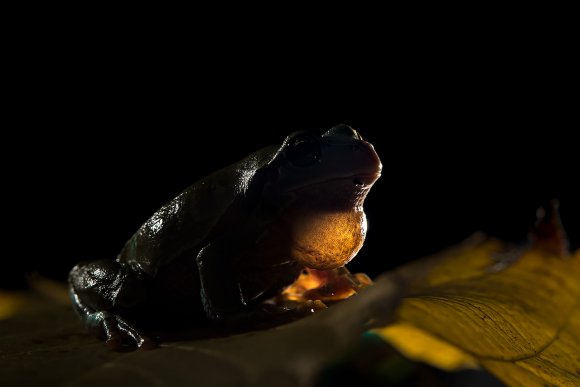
(303, 150)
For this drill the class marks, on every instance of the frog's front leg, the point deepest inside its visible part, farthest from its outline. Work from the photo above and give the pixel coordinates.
(103, 290)
(220, 290)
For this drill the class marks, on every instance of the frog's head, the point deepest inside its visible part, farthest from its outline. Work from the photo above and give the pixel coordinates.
(322, 180)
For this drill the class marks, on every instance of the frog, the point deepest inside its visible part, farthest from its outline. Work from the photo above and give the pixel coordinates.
(235, 238)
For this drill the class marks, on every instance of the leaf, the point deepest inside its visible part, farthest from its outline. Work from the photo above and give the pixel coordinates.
(517, 317)
(10, 303)
(290, 355)
(521, 323)
(421, 346)
(49, 348)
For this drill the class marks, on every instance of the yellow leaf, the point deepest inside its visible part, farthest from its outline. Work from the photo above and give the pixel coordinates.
(10, 304)
(521, 323)
(557, 364)
(419, 345)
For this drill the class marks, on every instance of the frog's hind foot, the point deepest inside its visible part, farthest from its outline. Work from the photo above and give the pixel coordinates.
(100, 291)
(118, 334)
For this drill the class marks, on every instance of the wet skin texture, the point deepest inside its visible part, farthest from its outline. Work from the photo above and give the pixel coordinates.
(235, 238)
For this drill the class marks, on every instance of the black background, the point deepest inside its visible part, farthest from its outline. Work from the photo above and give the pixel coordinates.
(473, 135)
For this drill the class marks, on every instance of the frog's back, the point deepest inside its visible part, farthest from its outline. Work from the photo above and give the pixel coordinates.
(185, 222)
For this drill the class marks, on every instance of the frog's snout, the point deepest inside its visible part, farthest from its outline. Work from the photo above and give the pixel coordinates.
(370, 163)
(348, 154)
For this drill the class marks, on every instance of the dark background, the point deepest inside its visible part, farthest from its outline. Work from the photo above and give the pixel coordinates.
(473, 135)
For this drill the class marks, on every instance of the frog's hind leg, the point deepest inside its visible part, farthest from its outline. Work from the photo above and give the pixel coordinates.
(100, 290)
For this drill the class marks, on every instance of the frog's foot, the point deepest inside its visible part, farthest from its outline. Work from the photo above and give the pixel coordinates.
(336, 285)
(119, 334)
(326, 286)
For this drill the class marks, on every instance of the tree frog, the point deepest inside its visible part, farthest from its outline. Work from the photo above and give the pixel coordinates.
(235, 238)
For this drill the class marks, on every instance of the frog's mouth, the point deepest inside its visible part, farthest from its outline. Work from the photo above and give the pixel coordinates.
(359, 181)
(365, 179)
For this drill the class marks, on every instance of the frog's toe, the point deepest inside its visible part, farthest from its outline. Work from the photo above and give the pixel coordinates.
(121, 335)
